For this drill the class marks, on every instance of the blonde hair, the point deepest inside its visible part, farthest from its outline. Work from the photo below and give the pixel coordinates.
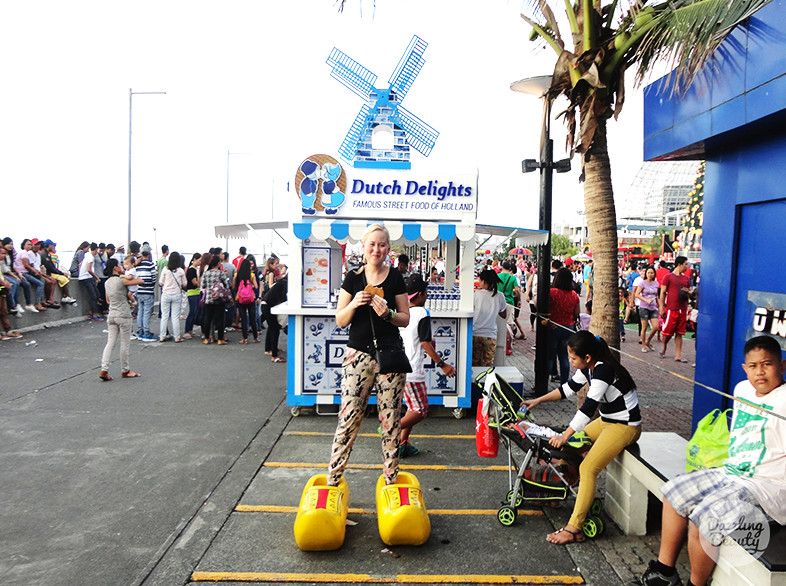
(376, 227)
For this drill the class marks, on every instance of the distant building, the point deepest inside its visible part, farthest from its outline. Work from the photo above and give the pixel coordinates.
(658, 194)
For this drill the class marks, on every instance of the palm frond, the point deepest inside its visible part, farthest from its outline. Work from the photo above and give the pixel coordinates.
(686, 34)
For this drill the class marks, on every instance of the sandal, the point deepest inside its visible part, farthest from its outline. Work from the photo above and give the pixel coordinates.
(277, 359)
(130, 374)
(575, 536)
(681, 360)
(104, 376)
(243, 341)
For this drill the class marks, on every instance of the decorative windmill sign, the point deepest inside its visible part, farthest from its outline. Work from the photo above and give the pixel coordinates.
(381, 185)
(383, 115)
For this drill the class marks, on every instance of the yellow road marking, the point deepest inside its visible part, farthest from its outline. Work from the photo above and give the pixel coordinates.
(415, 435)
(402, 467)
(369, 579)
(290, 509)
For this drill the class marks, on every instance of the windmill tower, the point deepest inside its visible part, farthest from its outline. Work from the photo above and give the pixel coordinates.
(383, 111)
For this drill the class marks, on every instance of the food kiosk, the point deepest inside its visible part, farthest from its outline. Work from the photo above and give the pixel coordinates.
(432, 216)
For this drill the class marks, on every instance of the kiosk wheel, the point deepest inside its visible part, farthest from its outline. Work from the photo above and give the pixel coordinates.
(459, 412)
(295, 411)
(519, 498)
(596, 508)
(506, 515)
(592, 527)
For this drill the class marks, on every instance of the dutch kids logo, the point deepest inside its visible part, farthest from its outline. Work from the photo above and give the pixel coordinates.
(321, 184)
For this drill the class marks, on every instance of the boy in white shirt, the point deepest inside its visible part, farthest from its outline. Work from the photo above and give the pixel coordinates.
(710, 505)
(417, 340)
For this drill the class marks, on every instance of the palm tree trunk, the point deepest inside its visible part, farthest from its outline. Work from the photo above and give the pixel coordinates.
(602, 231)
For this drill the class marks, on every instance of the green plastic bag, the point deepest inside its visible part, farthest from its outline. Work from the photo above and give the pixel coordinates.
(709, 446)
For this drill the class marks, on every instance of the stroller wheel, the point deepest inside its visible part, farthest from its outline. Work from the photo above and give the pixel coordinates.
(592, 527)
(506, 515)
(519, 498)
(596, 508)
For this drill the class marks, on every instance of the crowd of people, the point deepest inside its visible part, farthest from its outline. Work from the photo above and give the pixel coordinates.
(29, 277)
(662, 302)
(210, 291)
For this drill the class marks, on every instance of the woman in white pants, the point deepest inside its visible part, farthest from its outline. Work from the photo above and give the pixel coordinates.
(173, 283)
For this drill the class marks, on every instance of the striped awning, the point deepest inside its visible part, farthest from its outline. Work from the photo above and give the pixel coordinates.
(352, 230)
(343, 230)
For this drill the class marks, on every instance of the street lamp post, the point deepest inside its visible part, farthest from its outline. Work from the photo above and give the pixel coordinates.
(538, 86)
(227, 216)
(131, 94)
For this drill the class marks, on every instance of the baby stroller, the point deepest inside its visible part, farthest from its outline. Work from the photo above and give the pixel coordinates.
(546, 475)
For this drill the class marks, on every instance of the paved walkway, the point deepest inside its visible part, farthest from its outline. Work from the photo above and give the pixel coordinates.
(144, 481)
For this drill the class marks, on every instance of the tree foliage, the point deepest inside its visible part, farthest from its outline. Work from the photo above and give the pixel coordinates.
(561, 246)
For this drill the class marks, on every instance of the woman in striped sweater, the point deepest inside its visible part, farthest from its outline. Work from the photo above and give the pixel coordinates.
(611, 391)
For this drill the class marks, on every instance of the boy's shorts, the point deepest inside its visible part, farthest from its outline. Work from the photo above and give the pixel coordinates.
(61, 279)
(483, 351)
(675, 323)
(416, 397)
(713, 501)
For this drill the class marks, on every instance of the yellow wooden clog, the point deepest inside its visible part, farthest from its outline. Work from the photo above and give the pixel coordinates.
(401, 511)
(321, 519)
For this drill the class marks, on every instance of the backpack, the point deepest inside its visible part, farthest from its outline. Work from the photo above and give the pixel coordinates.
(219, 293)
(245, 293)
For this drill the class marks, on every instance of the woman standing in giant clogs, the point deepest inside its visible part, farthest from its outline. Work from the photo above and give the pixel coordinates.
(370, 314)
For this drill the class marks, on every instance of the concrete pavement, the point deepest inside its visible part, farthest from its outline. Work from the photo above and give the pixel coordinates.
(181, 475)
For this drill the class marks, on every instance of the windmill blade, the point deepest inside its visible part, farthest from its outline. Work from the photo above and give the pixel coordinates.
(348, 148)
(351, 73)
(408, 67)
(420, 135)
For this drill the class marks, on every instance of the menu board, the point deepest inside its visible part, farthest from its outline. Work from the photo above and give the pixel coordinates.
(316, 277)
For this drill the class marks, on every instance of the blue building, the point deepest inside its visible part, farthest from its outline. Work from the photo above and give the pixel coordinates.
(734, 116)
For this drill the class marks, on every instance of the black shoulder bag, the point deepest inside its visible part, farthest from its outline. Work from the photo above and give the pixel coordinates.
(390, 355)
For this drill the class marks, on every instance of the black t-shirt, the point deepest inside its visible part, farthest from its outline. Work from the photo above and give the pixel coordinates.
(191, 276)
(360, 337)
(277, 294)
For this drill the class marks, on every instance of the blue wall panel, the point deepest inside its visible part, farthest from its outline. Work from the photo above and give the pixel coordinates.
(766, 99)
(693, 130)
(727, 67)
(658, 109)
(766, 57)
(728, 115)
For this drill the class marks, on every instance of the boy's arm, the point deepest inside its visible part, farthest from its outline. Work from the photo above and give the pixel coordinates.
(446, 368)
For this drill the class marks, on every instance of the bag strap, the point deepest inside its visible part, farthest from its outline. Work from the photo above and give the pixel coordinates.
(371, 319)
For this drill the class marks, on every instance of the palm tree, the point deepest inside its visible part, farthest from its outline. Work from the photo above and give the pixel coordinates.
(608, 40)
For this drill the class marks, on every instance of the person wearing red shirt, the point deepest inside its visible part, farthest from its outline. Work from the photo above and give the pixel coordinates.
(564, 309)
(661, 273)
(240, 257)
(673, 305)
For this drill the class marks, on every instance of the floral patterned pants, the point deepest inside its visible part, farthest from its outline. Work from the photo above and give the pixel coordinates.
(360, 374)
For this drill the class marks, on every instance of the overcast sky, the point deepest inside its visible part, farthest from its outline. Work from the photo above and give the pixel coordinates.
(249, 77)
